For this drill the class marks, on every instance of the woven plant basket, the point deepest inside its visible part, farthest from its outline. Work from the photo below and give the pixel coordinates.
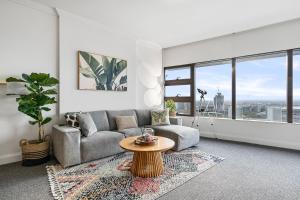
(34, 152)
(172, 113)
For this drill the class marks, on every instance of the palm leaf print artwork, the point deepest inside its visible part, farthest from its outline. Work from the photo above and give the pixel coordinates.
(98, 72)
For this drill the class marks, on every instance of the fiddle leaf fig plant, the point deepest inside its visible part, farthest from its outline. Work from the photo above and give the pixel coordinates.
(170, 104)
(40, 87)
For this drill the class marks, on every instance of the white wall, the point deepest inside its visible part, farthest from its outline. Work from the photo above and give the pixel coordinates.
(267, 39)
(77, 33)
(35, 38)
(149, 75)
(28, 41)
(272, 38)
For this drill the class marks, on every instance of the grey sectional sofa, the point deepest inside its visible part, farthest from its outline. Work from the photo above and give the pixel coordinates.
(70, 148)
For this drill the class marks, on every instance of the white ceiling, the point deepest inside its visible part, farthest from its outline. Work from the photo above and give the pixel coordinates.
(174, 22)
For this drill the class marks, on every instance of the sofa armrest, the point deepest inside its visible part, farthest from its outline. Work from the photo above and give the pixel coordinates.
(66, 145)
(176, 120)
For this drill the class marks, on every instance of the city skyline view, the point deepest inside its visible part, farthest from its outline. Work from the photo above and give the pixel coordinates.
(261, 84)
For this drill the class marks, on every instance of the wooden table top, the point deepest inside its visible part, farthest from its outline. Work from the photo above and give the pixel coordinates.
(162, 144)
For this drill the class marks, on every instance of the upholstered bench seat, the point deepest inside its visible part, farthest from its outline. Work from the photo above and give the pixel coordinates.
(183, 136)
(100, 145)
(129, 132)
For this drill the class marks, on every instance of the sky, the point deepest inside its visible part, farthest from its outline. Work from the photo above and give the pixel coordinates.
(263, 79)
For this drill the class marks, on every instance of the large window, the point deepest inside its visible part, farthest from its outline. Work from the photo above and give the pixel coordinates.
(261, 83)
(264, 87)
(215, 79)
(296, 81)
(179, 87)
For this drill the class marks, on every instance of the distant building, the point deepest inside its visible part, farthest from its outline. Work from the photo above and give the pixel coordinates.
(219, 102)
(275, 113)
(183, 108)
(280, 114)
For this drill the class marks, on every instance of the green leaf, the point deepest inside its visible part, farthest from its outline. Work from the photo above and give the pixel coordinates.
(49, 82)
(108, 69)
(105, 62)
(91, 61)
(33, 122)
(42, 100)
(123, 80)
(87, 72)
(99, 70)
(121, 65)
(45, 108)
(50, 91)
(46, 120)
(100, 87)
(102, 79)
(94, 65)
(27, 78)
(12, 79)
(39, 77)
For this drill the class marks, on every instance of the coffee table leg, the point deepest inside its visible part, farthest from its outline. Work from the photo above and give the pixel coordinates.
(147, 164)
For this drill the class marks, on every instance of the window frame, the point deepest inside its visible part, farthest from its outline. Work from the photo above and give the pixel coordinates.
(190, 99)
(263, 56)
(191, 81)
(214, 63)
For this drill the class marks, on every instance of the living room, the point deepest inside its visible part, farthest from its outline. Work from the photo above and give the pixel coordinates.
(166, 99)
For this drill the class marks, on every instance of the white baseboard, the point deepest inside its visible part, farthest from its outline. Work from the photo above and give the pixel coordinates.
(207, 134)
(10, 158)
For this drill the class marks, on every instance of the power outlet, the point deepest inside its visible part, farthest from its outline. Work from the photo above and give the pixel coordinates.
(211, 121)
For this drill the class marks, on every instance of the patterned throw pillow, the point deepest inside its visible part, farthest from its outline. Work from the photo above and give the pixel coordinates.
(160, 117)
(72, 119)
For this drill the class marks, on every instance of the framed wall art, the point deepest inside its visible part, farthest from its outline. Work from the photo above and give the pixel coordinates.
(100, 72)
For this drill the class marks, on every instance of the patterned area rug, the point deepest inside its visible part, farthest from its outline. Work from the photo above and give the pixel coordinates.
(111, 179)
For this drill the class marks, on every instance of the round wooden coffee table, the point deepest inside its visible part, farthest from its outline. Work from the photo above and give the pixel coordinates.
(147, 159)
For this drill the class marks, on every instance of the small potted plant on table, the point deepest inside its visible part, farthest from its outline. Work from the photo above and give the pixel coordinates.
(39, 86)
(170, 104)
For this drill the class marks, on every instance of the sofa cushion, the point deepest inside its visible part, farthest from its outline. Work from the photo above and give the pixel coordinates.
(183, 136)
(86, 124)
(129, 132)
(143, 116)
(111, 114)
(124, 122)
(100, 120)
(100, 145)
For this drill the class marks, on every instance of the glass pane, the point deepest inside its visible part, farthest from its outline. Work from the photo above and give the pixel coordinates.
(215, 79)
(296, 82)
(178, 90)
(178, 73)
(261, 88)
(183, 108)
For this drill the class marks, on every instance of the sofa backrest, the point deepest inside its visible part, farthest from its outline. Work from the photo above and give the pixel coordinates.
(106, 120)
(112, 114)
(143, 117)
(101, 120)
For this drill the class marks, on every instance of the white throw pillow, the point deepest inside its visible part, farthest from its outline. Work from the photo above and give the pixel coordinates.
(124, 122)
(87, 124)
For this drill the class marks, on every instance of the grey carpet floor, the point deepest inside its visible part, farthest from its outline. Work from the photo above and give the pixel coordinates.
(248, 172)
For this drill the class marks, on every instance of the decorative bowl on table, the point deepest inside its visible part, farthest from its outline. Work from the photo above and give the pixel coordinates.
(146, 139)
